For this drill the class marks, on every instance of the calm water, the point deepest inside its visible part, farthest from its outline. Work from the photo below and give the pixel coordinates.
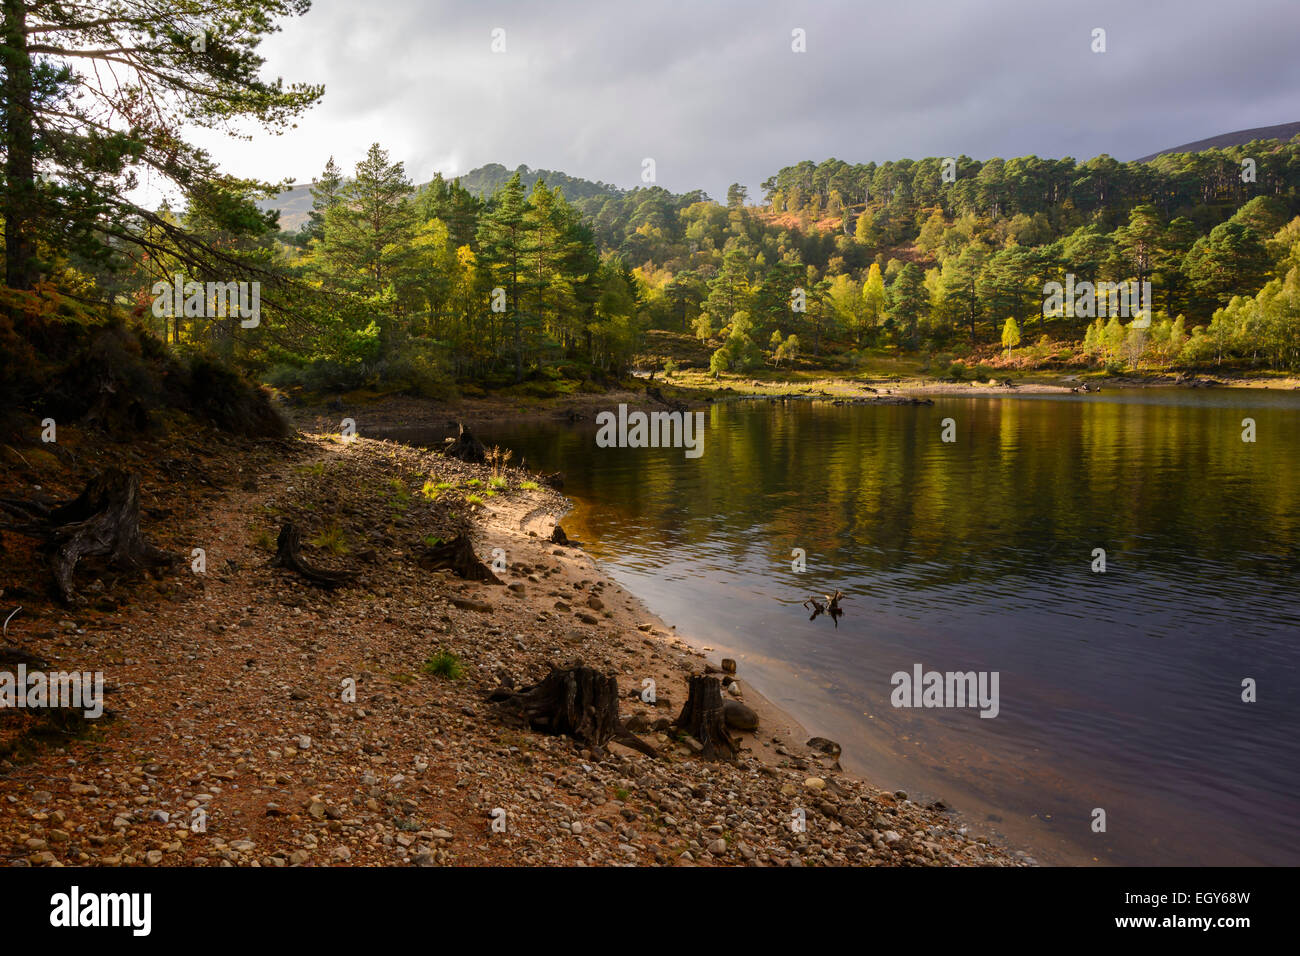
(1119, 691)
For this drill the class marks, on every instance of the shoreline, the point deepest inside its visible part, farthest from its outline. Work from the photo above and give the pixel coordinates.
(394, 412)
(400, 428)
(1044, 848)
(226, 691)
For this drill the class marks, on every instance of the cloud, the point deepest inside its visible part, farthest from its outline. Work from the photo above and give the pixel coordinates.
(713, 92)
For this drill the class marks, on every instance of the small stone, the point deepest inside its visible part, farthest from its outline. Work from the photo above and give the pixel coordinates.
(341, 853)
(825, 746)
(815, 783)
(718, 847)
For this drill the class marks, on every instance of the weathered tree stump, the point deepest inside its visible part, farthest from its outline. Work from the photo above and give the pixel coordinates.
(287, 556)
(465, 446)
(704, 718)
(578, 702)
(103, 521)
(458, 555)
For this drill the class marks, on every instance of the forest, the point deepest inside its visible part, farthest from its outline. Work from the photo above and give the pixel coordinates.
(436, 286)
(546, 282)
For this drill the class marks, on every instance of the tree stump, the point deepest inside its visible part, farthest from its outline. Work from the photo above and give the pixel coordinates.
(704, 718)
(578, 702)
(458, 555)
(104, 520)
(465, 447)
(287, 556)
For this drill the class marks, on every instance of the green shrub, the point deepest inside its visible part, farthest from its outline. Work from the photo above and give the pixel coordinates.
(332, 539)
(444, 664)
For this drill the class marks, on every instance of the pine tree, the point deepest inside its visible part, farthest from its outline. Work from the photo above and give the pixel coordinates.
(503, 241)
(324, 197)
(68, 171)
(453, 204)
(907, 300)
(558, 258)
(368, 231)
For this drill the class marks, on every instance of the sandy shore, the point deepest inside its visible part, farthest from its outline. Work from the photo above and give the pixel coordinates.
(230, 700)
(396, 413)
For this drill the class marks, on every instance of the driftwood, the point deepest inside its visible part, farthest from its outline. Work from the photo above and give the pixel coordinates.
(287, 556)
(465, 447)
(458, 555)
(831, 607)
(704, 718)
(103, 521)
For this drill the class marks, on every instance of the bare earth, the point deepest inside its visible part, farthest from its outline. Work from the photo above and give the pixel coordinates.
(229, 689)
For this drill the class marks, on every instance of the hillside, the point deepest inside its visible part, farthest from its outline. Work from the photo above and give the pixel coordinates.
(486, 180)
(1241, 137)
(295, 203)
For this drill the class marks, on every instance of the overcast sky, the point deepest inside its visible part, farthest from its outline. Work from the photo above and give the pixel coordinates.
(713, 92)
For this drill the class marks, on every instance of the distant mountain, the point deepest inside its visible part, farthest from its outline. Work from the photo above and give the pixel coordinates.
(1241, 137)
(295, 203)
